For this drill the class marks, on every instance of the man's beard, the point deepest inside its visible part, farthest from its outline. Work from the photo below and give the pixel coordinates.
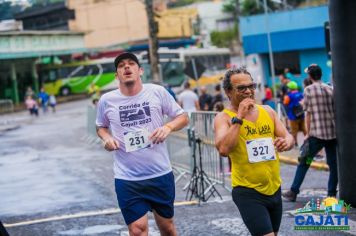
(129, 83)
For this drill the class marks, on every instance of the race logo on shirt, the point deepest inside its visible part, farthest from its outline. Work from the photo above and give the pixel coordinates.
(135, 114)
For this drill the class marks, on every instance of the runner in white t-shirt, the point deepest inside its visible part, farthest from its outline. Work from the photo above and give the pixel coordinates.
(143, 175)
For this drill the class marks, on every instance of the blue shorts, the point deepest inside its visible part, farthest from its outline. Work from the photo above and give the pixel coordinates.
(136, 198)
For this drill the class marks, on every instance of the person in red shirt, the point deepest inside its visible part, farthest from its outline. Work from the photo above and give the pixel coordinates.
(268, 95)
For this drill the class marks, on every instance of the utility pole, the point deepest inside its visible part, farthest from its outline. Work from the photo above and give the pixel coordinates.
(237, 46)
(270, 52)
(237, 28)
(343, 54)
(153, 42)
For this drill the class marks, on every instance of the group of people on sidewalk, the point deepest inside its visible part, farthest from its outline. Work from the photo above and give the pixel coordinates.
(130, 121)
(319, 130)
(311, 112)
(190, 101)
(43, 98)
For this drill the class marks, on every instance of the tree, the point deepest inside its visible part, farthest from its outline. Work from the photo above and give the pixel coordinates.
(223, 39)
(152, 42)
(7, 11)
(43, 2)
(251, 8)
(233, 7)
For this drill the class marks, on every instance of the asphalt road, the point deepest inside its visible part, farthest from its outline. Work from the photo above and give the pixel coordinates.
(53, 182)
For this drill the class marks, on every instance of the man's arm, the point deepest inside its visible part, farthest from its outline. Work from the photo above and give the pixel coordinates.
(307, 122)
(110, 144)
(283, 141)
(225, 134)
(161, 133)
(197, 106)
(307, 109)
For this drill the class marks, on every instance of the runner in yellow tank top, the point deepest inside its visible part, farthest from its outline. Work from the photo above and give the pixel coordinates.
(243, 172)
(251, 135)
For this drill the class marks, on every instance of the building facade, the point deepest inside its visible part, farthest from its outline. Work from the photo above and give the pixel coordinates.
(297, 40)
(21, 50)
(50, 17)
(108, 23)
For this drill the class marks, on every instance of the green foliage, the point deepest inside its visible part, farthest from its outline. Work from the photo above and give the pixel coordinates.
(44, 2)
(229, 6)
(180, 3)
(7, 11)
(223, 38)
(250, 7)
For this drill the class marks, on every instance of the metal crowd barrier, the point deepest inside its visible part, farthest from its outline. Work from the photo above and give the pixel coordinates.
(216, 167)
(282, 114)
(6, 105)
(180, 148)
(91, 136)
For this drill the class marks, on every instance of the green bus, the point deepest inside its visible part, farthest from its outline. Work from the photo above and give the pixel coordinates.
(76, 77)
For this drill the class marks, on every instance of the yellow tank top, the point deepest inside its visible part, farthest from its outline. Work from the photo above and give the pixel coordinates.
(262, 176)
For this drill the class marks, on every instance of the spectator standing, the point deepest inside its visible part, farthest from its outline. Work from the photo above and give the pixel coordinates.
(283, 89)
(43, 99)
(288, 74)
(295, 113)
(320, 125)
(52, 102)
(205, 99)
(171, 92)
(188, 99)
(29, 92)
(31, 105)
(268, 95)
(94, 91)
(218, 97)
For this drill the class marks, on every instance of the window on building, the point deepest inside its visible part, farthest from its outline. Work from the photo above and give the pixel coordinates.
(225, 24)
(284, 60)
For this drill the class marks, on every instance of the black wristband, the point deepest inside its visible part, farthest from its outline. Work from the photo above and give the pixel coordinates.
(236, 120)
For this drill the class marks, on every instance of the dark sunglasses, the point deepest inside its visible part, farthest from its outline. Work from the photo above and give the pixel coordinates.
(243, 88)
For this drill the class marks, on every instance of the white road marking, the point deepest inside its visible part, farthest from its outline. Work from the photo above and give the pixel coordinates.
(233, 226)
(83, 214)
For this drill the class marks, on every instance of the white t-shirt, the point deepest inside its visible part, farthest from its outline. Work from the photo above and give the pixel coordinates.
(188, 99)
(125, 114)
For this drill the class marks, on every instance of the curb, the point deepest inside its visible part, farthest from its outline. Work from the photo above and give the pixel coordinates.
(293, 161)
(9, 128)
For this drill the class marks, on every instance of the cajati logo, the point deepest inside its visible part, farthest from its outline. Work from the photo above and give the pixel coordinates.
(322, 214)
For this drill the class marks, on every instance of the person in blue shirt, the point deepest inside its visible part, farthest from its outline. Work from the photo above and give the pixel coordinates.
(43, 99)
(171, 92)
(292, 101)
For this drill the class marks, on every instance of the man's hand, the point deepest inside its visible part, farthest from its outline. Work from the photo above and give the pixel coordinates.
(244, 107)
(160, 134)
(282, 144)
(111, 144)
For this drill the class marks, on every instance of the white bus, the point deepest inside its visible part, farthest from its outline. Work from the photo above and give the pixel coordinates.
(173, 62)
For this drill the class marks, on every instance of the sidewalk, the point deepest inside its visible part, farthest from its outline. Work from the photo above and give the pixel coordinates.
(291, 158)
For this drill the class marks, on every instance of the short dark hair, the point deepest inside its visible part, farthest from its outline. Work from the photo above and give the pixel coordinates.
(187, 85)
(307, 82)
(218, 87)
(227, 77)
(126, 55)
(314, 71)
